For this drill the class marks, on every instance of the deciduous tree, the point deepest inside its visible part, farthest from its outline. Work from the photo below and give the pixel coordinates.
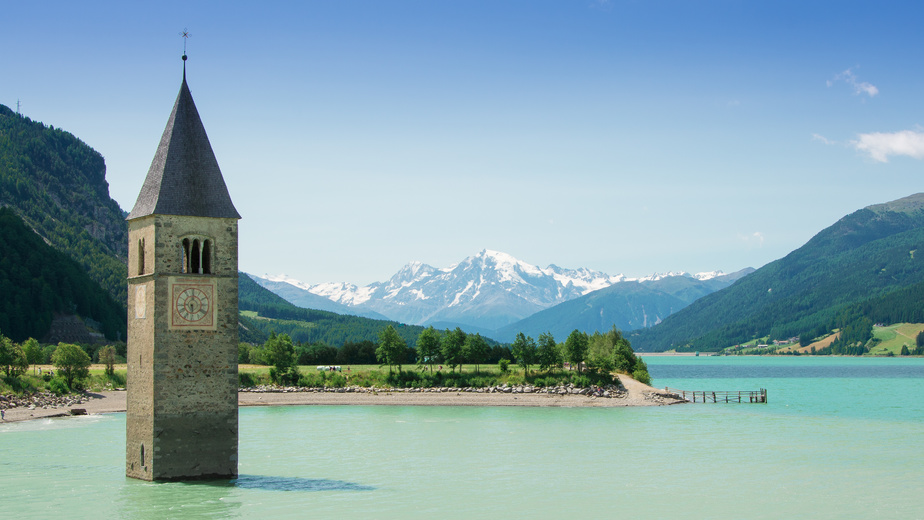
(524, 351)
(451, 347)
(549, 355)
(428, 347)
(33, 351)
(72, 362)
(280, 352)
(576, 348)
(392, 348)
(13, 360)
(107, 356)
(476, 349)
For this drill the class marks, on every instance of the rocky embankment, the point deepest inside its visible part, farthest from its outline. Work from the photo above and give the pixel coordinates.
(609, 391)
(628, 393)
(43, 400)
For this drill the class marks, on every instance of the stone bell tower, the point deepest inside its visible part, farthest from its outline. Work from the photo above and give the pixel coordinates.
(182, 311)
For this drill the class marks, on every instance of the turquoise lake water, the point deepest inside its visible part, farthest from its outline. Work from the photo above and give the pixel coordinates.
(839, 438)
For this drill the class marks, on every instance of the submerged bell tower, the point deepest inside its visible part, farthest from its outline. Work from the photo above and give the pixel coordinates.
(182, 420)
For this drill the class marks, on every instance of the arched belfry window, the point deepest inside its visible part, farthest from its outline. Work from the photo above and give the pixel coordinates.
(195, 258)
(140, 256)
(197, 255)
(206, 257)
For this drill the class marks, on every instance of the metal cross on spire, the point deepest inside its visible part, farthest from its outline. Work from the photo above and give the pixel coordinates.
(185, 35)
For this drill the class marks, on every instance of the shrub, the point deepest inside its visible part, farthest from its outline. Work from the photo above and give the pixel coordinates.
(246, 379)
(311, 380)
(515, 379)
(504, 366)
(59, 386)
(334, 380)
(642, 376)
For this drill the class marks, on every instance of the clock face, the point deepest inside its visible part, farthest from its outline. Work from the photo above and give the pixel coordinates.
(193, 306)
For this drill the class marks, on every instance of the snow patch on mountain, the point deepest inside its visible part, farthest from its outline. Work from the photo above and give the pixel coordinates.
(490, 289)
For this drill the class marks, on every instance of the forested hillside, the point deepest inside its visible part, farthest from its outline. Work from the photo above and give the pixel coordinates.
(57, 184)
(626, 305)
(308, 325)
(866, 255)
(37, 281)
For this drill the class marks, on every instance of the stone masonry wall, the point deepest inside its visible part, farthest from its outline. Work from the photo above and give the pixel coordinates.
(182, 384)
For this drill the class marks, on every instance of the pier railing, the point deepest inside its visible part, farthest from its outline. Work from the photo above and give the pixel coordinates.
(738, 396)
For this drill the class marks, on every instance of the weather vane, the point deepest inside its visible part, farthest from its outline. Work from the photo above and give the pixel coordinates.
(185, 35)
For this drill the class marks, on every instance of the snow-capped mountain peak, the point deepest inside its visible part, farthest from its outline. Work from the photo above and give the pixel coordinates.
(284, 278)
(708, 275)
(490, 289)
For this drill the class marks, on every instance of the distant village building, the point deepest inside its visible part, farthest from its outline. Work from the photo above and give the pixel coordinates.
(182, 419)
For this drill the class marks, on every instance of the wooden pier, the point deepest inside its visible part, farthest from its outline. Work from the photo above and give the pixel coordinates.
(740, 396)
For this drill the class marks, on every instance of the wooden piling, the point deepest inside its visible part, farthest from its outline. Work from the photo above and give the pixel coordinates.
(735, 396)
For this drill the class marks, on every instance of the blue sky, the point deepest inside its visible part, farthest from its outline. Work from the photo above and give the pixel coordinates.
(623, 136)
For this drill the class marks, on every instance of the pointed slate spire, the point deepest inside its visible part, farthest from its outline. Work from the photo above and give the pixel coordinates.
(184, 178)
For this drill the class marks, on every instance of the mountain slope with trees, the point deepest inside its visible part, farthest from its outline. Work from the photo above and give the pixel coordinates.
(868, 254)
(307, 325)
(626, 305)
(37, 281)
(57, 184)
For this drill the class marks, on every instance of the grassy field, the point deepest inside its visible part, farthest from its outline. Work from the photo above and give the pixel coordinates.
(98, 381)
(890, 339)
(893, 337)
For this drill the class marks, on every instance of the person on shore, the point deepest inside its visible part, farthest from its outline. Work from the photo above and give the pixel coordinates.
(2, 415)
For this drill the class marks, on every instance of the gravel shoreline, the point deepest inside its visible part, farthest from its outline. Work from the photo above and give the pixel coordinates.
(632, 393)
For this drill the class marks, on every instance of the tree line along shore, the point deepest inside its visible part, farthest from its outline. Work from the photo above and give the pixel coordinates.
(448, 359)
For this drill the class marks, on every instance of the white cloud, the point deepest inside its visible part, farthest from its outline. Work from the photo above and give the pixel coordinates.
(819, 137)
(756, 236)
(859, 87)
(880, 145)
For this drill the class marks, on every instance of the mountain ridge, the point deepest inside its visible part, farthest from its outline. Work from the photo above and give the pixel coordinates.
(486, 291)
(868, 253)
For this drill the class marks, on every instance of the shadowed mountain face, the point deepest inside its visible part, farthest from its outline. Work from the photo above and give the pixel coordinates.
(57, 185)
(869, 253)
(41, 286)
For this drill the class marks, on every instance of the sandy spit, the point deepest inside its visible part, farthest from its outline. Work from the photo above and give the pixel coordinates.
(638, 395)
